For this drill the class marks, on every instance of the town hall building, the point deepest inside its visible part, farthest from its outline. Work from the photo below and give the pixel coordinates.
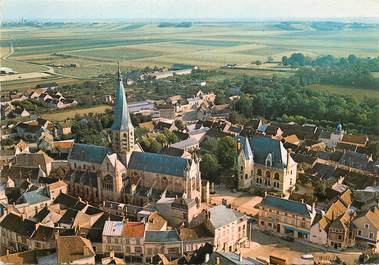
(125, 173)
(263, 163)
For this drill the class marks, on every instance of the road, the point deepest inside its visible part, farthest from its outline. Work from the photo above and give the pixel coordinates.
(263, 246)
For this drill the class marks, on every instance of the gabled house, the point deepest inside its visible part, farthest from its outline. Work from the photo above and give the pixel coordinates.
(335, 229)
(367, 225)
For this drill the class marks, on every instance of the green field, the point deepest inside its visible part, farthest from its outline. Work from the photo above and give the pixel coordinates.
(344, 90)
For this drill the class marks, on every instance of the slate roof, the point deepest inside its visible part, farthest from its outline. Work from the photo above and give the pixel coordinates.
(291, 206)
(33, 197)
(44, 233)
(245, 144)
(222, 215)
(158, 163)
(161, 236)
(66, 200)
(262, 146)
(171, 151)
(88, 153)
(13, 222)
(234, 258)
(122, 121)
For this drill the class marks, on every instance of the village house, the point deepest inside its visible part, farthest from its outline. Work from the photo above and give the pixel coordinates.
(228, 227)
(367, 226)
(112, 237)
(167, 243)
(15, 232)
(177, 211)
(133, 241)
(286, 217)
(335, 229)
(264, 163)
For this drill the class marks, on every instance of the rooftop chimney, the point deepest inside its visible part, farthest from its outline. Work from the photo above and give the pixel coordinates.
(240, 257)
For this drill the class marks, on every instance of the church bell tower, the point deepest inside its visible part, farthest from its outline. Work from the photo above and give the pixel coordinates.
(122, 128)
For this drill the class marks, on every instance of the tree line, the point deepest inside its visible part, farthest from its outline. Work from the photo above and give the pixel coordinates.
(351, 70)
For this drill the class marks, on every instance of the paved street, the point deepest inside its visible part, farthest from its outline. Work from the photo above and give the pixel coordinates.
(264, 245)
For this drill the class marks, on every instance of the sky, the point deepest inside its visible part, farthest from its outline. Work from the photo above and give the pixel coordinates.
(187, 9)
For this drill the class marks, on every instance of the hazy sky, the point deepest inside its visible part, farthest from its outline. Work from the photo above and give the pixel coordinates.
(190, 9)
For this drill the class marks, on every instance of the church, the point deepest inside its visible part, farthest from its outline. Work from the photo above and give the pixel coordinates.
(125, 173)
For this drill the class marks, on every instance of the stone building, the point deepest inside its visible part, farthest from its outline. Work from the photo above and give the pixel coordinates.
(286, 217)
(264, 163)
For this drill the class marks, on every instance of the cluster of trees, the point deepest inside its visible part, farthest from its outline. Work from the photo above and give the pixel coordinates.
(351, 70)
(156, 142)
(299, 59)
(218, 156)
(289, 99)
(31, 105)
(91, 129)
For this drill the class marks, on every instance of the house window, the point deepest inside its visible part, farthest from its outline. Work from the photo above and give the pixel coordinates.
(276, 176)
(291, 181)
(268, 174)
(359, 232)
(245, 176)
(366, 226)
(371, 235)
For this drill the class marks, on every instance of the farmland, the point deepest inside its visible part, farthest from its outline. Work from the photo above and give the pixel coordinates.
(358, 93)
(63, 115)
(96, 47)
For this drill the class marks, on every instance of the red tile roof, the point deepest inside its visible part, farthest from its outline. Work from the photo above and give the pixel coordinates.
(134, 229)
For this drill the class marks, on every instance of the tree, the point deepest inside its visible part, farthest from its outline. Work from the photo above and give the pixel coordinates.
(270, 59)
(180, 125)
(220, 99)
(209, 167)
(320, 191)
(257, 62)
(170, 136)
(227, 152)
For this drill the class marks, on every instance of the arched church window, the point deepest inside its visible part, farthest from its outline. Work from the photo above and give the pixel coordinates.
(268, 174)
(108, 183)
(259, 172)
(276, 176)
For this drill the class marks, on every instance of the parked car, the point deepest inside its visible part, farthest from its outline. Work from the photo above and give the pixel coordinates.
(288, 238)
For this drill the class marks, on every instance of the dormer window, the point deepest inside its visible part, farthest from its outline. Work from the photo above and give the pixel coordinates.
(268, 161)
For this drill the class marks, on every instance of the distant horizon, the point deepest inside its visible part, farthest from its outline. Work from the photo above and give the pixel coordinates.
(194, 10)
(200, 20)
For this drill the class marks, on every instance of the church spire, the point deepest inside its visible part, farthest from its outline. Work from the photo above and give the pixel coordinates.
(122, 121)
